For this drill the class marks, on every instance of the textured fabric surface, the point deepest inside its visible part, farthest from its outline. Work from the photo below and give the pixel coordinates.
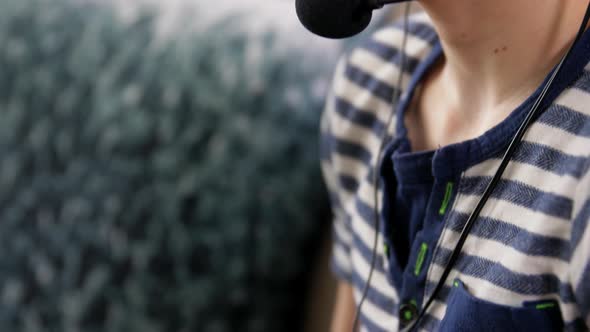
(531, 243)
(154, 185)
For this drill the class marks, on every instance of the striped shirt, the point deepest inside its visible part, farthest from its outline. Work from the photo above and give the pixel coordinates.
(528, 254)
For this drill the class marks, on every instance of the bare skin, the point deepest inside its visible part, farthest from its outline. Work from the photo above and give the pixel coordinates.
(496, 54)
(344, 309)
(494, 58)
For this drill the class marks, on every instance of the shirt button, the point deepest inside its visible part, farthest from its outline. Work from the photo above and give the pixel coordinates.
(408, 313)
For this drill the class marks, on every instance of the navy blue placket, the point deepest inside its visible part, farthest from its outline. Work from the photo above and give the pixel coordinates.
(389, 183)
(428, 229)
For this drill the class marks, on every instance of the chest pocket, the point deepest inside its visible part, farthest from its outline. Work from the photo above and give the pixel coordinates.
(468, 313)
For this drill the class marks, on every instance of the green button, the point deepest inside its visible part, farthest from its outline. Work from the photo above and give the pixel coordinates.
(446, 199)
(408, 313)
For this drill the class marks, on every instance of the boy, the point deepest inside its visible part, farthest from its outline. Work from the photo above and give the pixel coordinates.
(473, 69)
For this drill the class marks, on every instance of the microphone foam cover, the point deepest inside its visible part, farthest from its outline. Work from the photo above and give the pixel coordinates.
(333, 18)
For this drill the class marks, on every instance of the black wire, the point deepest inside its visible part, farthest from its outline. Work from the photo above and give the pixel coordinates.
(375, 179)
(535, 109)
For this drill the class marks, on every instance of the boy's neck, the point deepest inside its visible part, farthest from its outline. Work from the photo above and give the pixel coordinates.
(497, 52)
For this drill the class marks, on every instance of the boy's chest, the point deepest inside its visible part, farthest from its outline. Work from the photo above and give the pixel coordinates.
(513, 270)
(516, 255)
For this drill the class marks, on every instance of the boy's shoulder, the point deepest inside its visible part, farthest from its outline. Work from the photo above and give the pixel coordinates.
(565, 128)
(367, 76)
(378, 54)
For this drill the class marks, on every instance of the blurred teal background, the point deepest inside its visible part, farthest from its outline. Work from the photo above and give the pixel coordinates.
(158, 165)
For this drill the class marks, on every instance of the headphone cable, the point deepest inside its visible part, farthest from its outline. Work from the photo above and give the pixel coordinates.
(375, 178)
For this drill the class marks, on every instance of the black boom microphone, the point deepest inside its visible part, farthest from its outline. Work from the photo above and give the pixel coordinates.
(337, 18)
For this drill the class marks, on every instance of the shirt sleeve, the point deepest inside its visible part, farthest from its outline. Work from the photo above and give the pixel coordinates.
(341, 231)
(580, 258)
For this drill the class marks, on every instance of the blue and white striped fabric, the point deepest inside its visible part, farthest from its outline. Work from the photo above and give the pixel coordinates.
(531, 243)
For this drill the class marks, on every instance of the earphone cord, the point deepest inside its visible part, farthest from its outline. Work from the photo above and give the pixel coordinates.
(375, 178)
(533, 113)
